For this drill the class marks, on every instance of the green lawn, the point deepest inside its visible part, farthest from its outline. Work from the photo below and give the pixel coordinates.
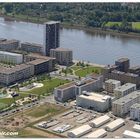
(87, 70)
(75, 67)
(109, 24)
(49, 85)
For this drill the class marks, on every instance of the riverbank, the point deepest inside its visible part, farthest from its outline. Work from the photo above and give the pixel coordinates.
(72, 26)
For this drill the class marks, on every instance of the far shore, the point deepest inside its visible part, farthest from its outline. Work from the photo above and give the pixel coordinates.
(79, 27)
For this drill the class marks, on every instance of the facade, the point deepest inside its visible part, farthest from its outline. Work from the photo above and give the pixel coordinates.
(135, 70)
(31, 47)
(135, 112)
(100, 133)
(115, 125)
(70, 91)
(9, 45)
(136, 128)
(99, 121)
(19, 72)
(94, 101)
(11, 58)
(123, 64)
(111, 84)
(124, 90)
(63, 56)
(122, 106)
(80, 131)
(51, 37)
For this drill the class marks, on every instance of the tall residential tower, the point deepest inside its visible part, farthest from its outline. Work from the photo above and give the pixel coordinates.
(52, 38)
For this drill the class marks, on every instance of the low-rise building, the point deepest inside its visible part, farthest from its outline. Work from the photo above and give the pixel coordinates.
(135, 112)
(111, 84)
(31, 47)
(124, 90)
(8, 45)
(63, 56)
(135, 70)
(11, 58)
(122, 106)
(94, 101)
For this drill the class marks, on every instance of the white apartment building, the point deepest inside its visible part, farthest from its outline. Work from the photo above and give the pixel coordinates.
(122, 106)
(124, 90)
(94, 101)
(111, 84)
(11, 58)
(135, 112)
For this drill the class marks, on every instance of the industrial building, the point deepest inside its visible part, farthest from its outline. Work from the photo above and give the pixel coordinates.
(51, 36)
(70, 91)
(135, 112)
(11, 58)
(131, 134)
(115, 125)
(8, 45)
(136, 128)
(122, 106)
(31, 47)
(123, 64)
(94, 101)
(124, 90)
(111, 84)
(100, 133)
(80, 131)
(99, 121)
(63, 56)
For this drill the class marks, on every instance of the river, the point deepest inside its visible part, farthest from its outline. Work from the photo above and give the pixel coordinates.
(88, 46)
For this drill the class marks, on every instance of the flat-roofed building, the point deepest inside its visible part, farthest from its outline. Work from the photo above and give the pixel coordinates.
(95, 101)
(63, 56)
(111, 84)
(135, 112)
(135, 70)
(9, 45)
(122, 106)
(31, 47)
(65, 92)
(124, 90)
(136, 128)
(130, 134)
(11, 58)
(16, 73)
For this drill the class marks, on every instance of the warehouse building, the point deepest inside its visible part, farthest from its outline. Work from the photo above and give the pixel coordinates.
(122, 106)
(131, 134)
(111, 84)
(63, 56)
(9, 45)
(19, 72)
(11, 58)
(114, 125)
(100, 133)
(99, 121)
(80, 131)
(31, 47)
(124, 90)
(94, 101)
(135, 112)
(136, 128)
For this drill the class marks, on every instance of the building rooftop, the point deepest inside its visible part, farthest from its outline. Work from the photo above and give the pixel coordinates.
(9, 41)
(62, 49)
(112, 81)
(118, 72)
(2, 39)
(32, 44)
(52, 22)
(127, 98)
(136, 105)
(9, 53)
(122, 59)
(131, 134)
(37, 61)
(125, 87)
(67, 85)
(132, 74)
(94, 96)
(134, 68)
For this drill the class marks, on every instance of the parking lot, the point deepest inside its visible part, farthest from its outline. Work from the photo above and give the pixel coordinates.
(77, 117)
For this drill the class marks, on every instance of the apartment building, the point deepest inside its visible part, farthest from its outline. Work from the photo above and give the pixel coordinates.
(122, 106)
(135, 112)
(111, 84)
(124, 90)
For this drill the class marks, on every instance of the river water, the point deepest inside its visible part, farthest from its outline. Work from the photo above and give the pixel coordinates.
(88, 46)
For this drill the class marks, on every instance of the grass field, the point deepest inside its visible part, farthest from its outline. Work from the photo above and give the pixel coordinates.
(49, 85)
(87, 70)
(135, 25)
